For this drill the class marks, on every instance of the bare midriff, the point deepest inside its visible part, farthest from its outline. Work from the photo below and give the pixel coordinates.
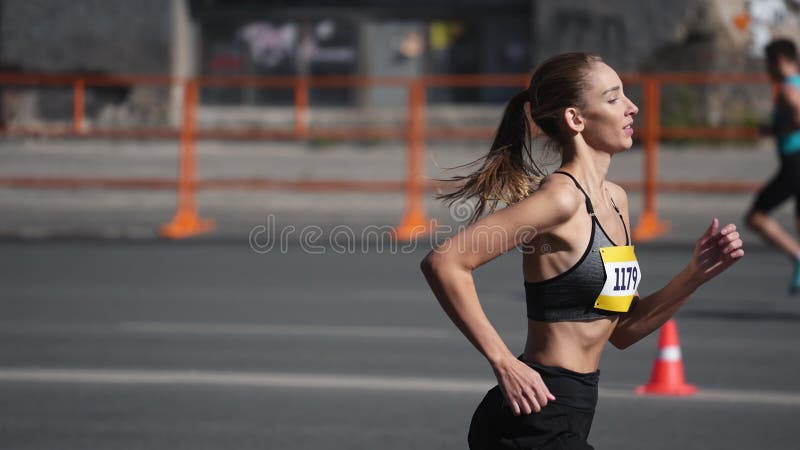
(573, 345)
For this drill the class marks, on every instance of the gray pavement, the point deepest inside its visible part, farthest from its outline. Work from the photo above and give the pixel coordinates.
(210, 345)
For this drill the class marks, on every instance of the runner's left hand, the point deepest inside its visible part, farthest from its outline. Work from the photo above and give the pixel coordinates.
(716, 250)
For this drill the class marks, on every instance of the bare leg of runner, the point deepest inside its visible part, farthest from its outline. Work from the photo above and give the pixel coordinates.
(774, 233)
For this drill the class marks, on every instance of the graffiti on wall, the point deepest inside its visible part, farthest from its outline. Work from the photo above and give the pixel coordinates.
(301, 45)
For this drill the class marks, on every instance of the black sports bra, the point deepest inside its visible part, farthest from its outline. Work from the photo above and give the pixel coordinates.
(602, 283)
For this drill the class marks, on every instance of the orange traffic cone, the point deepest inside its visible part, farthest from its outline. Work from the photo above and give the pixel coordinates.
(667, 377)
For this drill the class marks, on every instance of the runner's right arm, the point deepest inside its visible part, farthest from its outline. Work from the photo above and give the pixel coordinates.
(449, 267)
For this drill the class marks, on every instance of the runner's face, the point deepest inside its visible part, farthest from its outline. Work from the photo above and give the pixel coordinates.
(608, 113)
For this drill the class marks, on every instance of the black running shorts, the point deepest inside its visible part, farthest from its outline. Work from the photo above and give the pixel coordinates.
(785, 184)
(561, 425)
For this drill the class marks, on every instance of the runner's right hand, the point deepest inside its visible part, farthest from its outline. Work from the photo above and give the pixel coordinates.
(522, 387)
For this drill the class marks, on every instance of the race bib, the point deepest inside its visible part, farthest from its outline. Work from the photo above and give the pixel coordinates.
(622, 278)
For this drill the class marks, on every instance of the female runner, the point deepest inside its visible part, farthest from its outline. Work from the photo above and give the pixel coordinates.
(581, 290)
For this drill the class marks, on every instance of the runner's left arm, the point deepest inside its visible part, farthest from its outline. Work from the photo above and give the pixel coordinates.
(716, 250)
(792, 96)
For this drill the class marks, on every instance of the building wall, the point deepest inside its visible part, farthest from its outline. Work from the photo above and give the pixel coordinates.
(108, 36)
(89, 36)
(319, 37)
(124, 36)
(676, 36)
(623, 32)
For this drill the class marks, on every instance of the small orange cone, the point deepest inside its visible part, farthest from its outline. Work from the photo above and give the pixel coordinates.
(667, 377)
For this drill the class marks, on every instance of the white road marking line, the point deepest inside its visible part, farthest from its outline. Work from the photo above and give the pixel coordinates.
(255, 379)
(354, 382)
(714, 395)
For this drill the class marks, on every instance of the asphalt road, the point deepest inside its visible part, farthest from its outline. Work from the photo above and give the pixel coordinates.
(204, 345)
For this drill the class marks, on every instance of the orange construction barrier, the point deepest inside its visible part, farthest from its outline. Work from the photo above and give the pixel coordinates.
(78, 107)
(414, 132)
(650, 226)
(415, 222)
(186, 223)
(301, 108)
(667, 377)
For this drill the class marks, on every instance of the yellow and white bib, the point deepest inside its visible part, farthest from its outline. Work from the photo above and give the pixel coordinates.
(622, 278)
